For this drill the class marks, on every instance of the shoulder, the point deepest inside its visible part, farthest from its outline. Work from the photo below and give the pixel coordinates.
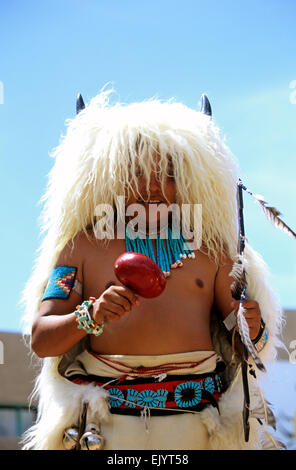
(78, 248)
(67, 274)
(225, 261)
(216, 260)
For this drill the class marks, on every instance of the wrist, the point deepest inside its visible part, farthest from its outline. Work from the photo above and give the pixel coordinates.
(260, 332)
(84, 319)
(262, 337)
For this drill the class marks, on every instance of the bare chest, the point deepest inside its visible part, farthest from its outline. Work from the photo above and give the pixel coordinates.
(194, 280)
(177, 320)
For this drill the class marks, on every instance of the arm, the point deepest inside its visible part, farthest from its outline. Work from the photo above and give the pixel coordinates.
(225, 302)
(55, 332)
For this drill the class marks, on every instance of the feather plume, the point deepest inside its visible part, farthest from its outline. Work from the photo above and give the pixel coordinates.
(245, 337)
(269, 443)
(238, 273)
(264, 412)
(272, 213)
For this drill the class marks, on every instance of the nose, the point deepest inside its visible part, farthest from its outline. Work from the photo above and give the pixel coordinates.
(154, 181)
(154, 186)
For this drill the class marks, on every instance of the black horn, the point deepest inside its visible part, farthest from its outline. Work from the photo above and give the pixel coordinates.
(79, 104)
(205, 107)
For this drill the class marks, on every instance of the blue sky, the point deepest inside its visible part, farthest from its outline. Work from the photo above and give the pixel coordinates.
(242, 54)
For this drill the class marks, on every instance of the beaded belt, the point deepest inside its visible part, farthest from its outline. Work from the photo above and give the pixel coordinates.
(173, 394)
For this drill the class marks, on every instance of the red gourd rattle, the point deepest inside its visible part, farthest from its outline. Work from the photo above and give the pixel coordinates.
(140, 273)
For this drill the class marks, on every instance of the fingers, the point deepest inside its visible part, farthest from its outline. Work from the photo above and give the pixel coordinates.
(253, 330)
(109, 284)
(251, 308)
(127, 293)
(252, 315)
(106, 311)
(247, 304)
(106, 316)
(122, 296)
(113, 303)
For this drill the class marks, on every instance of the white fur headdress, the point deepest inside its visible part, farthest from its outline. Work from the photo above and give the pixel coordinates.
(93, 162)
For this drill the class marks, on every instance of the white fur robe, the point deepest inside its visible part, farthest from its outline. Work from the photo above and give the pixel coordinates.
(60, 400)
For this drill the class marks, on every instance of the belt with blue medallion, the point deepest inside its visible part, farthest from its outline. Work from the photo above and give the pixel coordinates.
(173, 394)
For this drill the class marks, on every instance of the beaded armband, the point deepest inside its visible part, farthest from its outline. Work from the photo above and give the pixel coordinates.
(84, 320)
(262, 337)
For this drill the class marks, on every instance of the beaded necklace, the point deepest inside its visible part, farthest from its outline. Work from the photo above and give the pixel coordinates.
(166, 257)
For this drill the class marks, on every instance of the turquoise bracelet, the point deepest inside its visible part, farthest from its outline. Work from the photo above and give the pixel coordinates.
(84, 320)
(262, 337)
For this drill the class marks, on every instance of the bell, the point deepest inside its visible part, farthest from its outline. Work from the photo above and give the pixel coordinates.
(92, 439)
(70, 438)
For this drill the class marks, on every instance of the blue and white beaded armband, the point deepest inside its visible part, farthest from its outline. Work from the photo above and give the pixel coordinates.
(61, 282)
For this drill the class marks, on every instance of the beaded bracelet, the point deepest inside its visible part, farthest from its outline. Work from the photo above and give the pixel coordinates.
(84, 320)
(262, 337)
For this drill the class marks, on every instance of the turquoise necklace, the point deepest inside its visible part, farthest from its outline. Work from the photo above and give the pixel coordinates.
(166, 257)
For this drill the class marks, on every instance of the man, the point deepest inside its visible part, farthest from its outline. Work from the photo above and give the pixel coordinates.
(168, 359)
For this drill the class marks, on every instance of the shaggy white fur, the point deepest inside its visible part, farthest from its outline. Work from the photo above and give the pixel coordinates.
(92, 164)
(61, 400)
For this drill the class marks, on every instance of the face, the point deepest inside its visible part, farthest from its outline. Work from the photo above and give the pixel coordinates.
(155, 197)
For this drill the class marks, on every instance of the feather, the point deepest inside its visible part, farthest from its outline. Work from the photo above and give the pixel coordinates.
(238, 273)
(269, 443)
(272, 213)
(245, 337)
(264, 412)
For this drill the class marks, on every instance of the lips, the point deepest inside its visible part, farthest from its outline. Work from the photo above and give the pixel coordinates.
(150, 201)
(153, 202)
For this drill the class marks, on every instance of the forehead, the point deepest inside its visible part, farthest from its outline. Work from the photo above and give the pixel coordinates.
(145, 159)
